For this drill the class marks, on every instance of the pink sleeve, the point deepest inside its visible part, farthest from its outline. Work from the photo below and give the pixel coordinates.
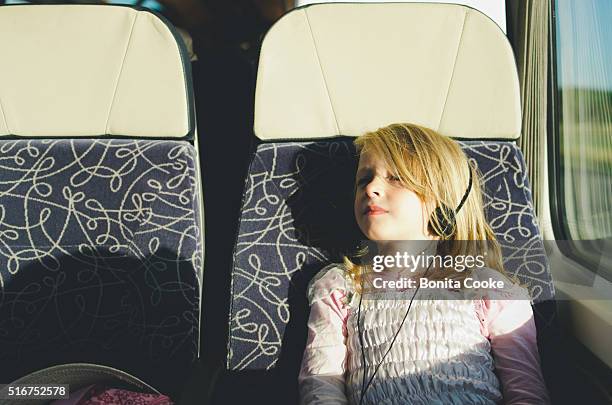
(321, 376)
(510, 327)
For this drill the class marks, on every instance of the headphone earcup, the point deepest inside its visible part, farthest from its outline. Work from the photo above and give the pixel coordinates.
(442, 222)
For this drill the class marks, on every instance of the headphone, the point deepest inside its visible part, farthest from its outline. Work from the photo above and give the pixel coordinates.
(443, 220)
(446, 220)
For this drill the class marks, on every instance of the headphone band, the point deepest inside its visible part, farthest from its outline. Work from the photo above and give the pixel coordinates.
(467, 192)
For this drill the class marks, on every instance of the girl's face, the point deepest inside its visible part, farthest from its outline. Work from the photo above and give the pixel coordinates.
(384, 209)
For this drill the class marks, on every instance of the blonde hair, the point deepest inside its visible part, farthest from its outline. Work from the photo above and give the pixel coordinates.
(435, 168)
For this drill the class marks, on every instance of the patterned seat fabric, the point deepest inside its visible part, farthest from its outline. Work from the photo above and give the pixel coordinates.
(297, 217)
(99, 256)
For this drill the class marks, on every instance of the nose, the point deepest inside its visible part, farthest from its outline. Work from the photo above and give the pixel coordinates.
(374, 188)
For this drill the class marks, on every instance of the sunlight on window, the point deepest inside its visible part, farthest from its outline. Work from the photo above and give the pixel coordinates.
(584, 80)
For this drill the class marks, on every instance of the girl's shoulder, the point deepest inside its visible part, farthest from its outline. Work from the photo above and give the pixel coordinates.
(329, 279)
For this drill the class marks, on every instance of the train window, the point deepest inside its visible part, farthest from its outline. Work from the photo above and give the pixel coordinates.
(495, 10)
(581, 131)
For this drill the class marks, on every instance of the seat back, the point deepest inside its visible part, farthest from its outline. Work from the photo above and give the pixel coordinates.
(92, 70)
(100, 208)
(330, 72)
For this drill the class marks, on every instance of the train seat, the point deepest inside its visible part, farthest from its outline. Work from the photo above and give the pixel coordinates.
(328, 73)
(101, 248)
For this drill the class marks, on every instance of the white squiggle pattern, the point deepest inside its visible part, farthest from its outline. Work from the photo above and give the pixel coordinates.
(271, 248)
(99, 246)
(509, 208)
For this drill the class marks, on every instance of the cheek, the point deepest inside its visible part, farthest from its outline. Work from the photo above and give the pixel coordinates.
(412, 207)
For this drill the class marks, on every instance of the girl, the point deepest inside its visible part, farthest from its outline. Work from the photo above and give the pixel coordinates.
(362, 350)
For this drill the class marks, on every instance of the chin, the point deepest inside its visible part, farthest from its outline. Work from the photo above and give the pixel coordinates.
(381, 236)
(379, 233)
(377, 236)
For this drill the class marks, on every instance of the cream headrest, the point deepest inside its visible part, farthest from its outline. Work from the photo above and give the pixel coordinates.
(344, 69)
(87, 70)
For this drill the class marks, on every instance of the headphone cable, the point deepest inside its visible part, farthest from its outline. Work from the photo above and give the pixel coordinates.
(363, 359)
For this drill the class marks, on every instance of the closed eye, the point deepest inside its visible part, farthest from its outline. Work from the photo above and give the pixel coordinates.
(362, 181)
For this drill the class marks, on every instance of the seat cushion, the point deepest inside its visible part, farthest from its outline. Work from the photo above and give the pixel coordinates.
(297, 217)
(100, 256)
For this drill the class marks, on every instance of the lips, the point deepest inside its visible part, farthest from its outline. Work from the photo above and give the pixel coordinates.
(374, 210)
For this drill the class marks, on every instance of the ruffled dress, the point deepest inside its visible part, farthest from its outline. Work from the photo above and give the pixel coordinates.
(443, 354)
